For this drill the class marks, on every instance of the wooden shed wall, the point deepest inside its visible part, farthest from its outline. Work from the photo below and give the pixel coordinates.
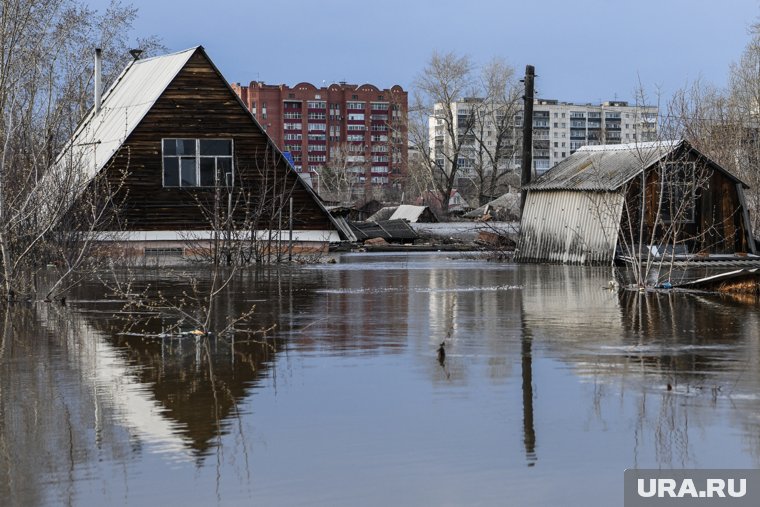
(199, 104)
(719, 222)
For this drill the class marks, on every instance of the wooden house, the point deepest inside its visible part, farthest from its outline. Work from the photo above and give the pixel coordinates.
(590, 208)
(185, 154)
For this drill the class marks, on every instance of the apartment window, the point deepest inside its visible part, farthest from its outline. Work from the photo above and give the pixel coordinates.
(316, 104)
(196, 162)
(317, 127)
(293, 126)
(356, 117)
(355, 105)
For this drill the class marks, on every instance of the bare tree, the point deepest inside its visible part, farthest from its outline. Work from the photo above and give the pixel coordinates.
(340, 177)
(494, 132)
(45, 77)
(463, 125)
(434, 129)
(725, 123)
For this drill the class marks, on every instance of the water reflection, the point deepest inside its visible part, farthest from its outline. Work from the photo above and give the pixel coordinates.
(546, 374)
(526, 363)
(199, 381)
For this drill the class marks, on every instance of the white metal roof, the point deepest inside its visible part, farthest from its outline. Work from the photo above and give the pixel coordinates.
(124, 105)
(664, 145)
(408, 212)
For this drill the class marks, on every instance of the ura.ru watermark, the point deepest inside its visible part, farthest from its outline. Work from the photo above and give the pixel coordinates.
(716, 487)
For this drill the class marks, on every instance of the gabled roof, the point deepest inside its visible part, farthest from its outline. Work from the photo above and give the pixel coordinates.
(124, 105)
(412, 213)
(100, 134)
(608, 167)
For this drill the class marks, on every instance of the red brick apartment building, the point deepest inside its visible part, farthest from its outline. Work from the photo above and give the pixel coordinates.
(361, 129)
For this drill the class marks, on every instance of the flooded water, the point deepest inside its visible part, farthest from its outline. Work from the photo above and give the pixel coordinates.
(550, 386)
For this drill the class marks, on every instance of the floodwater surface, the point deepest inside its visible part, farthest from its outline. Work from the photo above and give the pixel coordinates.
(549, 386)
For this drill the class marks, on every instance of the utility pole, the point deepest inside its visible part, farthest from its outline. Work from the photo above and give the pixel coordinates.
(527, 147)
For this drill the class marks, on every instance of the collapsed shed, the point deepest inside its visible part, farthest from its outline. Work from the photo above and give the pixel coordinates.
(612, 201)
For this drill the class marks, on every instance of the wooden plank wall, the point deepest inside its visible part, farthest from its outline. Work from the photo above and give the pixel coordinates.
(199, 104)
(718, 226)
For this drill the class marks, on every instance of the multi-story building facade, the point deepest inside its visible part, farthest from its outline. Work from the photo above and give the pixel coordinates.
(357, 129)
(559, 129)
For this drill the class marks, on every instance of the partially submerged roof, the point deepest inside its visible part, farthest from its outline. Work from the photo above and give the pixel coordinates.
(507, 204)
(383, 213)
(390, 230)
(413, 213)
(608, 167)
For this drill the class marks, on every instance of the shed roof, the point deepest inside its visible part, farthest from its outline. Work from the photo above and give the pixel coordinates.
(603, 168)
(608, 167)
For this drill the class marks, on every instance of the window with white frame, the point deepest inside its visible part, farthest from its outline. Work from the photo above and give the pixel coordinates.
(197, 162)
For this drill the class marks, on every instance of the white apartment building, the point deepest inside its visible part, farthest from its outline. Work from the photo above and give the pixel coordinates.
(559, 129)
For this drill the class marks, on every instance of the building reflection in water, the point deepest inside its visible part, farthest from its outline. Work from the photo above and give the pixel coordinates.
(91, 392)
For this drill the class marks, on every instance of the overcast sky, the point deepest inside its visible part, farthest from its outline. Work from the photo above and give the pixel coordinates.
(583, 50)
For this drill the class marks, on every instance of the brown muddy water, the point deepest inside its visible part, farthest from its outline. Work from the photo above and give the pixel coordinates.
(550, 387)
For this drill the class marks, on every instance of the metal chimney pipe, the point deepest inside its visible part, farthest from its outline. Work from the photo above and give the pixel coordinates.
(98, 78)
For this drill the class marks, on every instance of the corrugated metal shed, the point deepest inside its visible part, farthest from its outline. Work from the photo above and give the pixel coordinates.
(570, 227)
(573, 211)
